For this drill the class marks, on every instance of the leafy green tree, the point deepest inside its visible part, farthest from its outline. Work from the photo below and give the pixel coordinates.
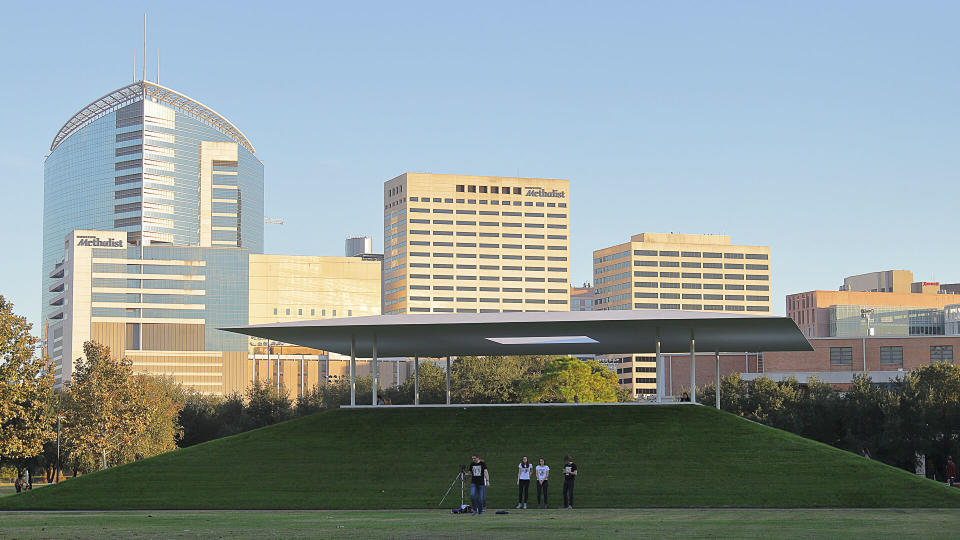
(568, 380)
(266, 404)
(161, 399)
(106, 414)
(493, 379)
(433, 385)
(25, 389)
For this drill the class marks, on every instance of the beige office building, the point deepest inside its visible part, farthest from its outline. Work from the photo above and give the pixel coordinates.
(475, 244)
(697, 272)
(295, 288)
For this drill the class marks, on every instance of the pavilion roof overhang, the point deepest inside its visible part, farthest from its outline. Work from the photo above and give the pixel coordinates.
(543, 333)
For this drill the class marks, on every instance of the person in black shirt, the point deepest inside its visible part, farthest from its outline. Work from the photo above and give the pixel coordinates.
(569, 478)
(479, 480)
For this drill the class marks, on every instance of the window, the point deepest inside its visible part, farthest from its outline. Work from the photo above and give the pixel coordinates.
(733, 255)
(495, 189)
(471, 189)
(841, 356)
(645, 252)
(690, 254)
(891, 356)
(274, 311)
(941, 353)
(299, 312)
(288, 311)
(313, 312)
(516, 191)
(669, 253)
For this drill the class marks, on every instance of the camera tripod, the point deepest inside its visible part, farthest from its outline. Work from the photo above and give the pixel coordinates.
(459, 477)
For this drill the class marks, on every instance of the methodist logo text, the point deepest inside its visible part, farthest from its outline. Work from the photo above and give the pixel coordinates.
(93, 241)
(540, 192)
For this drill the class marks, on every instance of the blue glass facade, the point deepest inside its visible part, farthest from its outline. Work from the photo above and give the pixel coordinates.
(225, 286)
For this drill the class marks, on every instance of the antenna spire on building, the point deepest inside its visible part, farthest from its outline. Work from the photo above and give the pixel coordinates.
(144, 47)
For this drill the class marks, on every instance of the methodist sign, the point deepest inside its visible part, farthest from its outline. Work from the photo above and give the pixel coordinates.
(93, 241)
(540, 192)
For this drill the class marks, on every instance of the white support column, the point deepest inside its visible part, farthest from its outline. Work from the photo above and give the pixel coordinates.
(353, 371)
(373, 370)
(416, 380)
(717, 385)
(660, 374)
(448, 380)
(693, 370)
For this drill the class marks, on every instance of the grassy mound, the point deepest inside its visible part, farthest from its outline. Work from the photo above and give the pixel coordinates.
(628, 456)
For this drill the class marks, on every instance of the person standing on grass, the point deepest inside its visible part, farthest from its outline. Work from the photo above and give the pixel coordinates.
(543, 477)
(951, 471)
(569, 478)
(523, 482)
(479, 480)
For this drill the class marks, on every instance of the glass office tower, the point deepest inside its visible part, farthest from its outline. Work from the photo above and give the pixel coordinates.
(156, 164)
(153, 203)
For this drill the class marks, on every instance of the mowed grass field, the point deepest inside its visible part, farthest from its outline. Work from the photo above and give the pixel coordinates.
(628, 456)
(553, 524)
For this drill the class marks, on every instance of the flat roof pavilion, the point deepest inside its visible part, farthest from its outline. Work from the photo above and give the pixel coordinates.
(436, 335)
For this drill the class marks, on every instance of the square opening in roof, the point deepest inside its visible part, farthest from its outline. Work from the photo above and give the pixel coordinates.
(541, 340)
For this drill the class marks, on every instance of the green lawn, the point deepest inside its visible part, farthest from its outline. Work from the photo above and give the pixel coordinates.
(629, 456)
(553, 524)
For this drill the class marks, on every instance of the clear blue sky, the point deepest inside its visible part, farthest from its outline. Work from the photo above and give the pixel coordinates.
(828, 130)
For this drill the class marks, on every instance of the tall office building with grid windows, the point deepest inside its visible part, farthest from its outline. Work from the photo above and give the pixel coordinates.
(692, 272)
(475, 244)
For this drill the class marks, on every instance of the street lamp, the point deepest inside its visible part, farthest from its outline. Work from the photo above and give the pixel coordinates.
(865, 315)
(57, 473)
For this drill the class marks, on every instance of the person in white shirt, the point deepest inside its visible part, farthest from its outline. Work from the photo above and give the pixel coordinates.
(543, 476)
(523, 482)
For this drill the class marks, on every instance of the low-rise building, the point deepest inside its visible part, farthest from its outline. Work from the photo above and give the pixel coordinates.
(885, 303)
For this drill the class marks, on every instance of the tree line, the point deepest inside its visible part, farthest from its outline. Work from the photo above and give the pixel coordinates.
(916, 416)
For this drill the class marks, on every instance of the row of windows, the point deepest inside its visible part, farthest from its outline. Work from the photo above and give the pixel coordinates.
(611, 267)
(506, 213)
(466, 310)
(611, 257)
(675, 264)
(700, 307)
(640, 380)
(637, 370)
(493, 202)
(489, 278)
(668, 285)
(490, 224)
(483, 245)
(485, 289)
(489, 267)
(893, 355)
(738, 297)
(704, 275)
(313, 312)
(718, 286)
(484, 300)
(556, 258)
(698, 254)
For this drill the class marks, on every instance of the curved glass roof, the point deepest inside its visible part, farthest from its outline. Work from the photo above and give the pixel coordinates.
(142, 90)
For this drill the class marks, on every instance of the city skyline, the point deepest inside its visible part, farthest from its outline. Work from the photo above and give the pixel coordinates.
(809, 163)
